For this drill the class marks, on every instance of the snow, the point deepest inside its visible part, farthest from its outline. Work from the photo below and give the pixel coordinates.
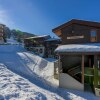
(92, 47)
(11, 41)
(24, 63)
(41, 36)
(26, 76)
(51, 59)
(14, 87)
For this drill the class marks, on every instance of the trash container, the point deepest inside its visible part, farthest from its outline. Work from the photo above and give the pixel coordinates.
(97, 92)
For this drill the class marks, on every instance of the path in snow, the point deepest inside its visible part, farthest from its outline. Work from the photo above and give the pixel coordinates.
(30, 66)
(24, 63)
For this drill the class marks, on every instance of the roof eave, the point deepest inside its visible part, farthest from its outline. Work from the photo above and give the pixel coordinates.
(75, 21)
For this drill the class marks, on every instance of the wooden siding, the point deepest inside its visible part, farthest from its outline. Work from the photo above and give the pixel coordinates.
(79, 31)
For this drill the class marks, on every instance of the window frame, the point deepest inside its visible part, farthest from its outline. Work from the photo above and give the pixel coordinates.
(92, 35)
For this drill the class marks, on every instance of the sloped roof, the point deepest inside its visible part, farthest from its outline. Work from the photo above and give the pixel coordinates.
(75, 21)
(42, 36)
(90, 47)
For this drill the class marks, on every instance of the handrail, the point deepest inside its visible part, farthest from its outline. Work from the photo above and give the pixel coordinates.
(72, 73)
(72, 70)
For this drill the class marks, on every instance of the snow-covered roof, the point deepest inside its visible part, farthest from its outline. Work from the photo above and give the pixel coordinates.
(52, 39)
(38, 36)
(91, 47)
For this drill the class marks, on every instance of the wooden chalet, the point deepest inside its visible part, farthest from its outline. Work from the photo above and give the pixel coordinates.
(79, 54)
(2, 33)
(36, 44)
(50, 45)
(42, 45)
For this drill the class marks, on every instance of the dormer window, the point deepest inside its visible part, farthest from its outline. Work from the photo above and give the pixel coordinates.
(93, 36)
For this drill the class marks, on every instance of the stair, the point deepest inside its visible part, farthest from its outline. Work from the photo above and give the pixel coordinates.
(74, 71)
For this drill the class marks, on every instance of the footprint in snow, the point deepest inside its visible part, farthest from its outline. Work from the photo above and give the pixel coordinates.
(13, 95)
(40, 96)
(4, 85)
(19, 79)
(1, 97)
(20, 83)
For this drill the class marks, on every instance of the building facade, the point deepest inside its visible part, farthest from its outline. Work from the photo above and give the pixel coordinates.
(79, 54)
(36, 44)
(50, 46)
(2, 34)
(42, 45)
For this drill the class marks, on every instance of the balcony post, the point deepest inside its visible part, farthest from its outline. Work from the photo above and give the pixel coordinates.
(83, 68)
(95, 61)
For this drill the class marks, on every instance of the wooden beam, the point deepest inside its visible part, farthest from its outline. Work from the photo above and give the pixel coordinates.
(83, 69)
(89, 62)
(58, 32)
(59, 64)
(95, 60)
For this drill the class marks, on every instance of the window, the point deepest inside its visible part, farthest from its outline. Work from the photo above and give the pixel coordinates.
(93, 36)
(41, 50)
(93, 33)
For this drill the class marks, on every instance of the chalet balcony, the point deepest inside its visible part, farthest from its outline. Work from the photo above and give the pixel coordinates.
(1, 30)
(1, 35)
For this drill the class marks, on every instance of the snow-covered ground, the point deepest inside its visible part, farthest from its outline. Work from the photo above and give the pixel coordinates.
(24, 63)
(14, 87)
(51, 59)
(25, 76)
(11, 41)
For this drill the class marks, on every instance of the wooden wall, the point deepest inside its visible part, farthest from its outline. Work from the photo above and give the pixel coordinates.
(78, 30)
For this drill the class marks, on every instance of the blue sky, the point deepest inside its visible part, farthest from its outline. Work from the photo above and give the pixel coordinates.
(41, 16)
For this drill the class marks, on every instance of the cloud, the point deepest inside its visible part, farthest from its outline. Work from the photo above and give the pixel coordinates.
(5, 18)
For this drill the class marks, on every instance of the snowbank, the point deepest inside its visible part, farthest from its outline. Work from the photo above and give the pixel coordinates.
(14, 87)
(17, 59)
(38, 65)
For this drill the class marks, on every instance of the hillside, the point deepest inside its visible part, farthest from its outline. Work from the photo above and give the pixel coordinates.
(19, 35)
(26, 76)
